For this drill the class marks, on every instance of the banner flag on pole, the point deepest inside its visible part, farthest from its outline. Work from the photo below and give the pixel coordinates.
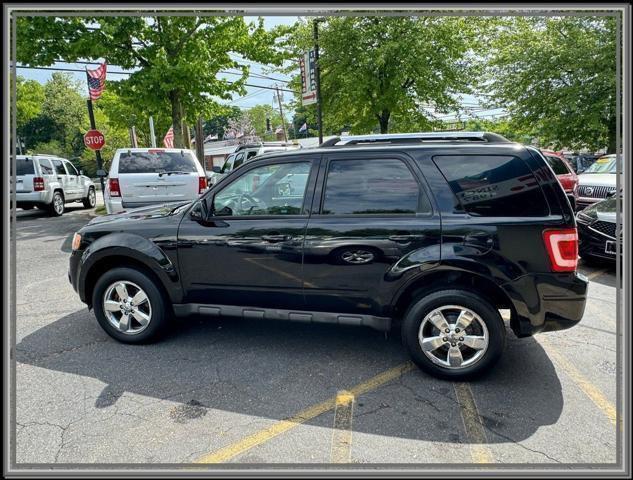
(96, 81)
(304, 127)
(168, 141)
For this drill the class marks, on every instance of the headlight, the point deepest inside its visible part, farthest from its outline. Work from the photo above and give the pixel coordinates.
(76, 241)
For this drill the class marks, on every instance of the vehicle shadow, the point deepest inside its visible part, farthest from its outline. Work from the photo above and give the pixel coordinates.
(36, 224)
(275, 369)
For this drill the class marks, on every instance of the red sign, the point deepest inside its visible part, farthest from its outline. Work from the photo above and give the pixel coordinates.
(94, 139)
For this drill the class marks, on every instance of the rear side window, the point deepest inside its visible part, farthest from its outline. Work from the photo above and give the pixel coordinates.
(238, 160)
(557, 165)
(493, 185)
(59, 167)
(157, 162)
(356, 187)
(45, 167)
(24, 166)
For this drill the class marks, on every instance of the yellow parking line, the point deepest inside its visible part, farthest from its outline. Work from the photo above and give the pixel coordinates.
(341, 451)
(585, 385)
(473, 424)
(262, 436)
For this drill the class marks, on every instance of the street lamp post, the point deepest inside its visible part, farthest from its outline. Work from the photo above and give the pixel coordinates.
(317, 74)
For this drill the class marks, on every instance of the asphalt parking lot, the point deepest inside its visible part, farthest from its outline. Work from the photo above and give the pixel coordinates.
(248, 392)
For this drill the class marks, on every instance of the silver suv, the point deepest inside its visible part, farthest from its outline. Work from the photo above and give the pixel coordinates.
(141, 177)
(49, 182)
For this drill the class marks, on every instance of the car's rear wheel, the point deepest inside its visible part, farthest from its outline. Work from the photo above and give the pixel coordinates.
(129, 306)
(57, 207)
(453, 334)
(91, 199)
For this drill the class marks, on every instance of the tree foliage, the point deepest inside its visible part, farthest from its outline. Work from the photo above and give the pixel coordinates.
(380, 69)
(556, 76)
(29, 99)
(176, 59)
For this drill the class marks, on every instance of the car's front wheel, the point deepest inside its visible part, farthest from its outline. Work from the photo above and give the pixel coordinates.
(129, 306)
(453, 334)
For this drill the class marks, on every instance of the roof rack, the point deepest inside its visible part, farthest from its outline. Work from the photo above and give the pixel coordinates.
(420, 137)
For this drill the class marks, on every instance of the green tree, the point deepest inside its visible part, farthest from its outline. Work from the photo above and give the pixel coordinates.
(377, 69)
(556, 76)
(218, 124)
(258, 115)
(176, 60)
(29, 100)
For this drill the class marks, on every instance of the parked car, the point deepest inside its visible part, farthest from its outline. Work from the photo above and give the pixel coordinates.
(49, 182)
(597, 231)
(478, 224)
(565, 174)
(148, 176)
(598, 181)
(581, 162)
(245, 153)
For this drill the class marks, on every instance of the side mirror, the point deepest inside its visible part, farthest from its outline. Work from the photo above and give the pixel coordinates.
(199, 211)
(216, 169)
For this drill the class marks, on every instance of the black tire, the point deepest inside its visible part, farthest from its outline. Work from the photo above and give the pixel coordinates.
(61, 207)
(489, 315)
(27, 207)
(160, 309)
(91, 200)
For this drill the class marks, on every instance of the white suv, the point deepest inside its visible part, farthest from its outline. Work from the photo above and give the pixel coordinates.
(597, 181)
(147, 176)
(49, 182)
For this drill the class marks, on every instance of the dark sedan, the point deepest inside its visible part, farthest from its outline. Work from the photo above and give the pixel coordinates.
(597, 231)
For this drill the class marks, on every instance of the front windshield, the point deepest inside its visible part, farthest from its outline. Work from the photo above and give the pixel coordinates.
(602, 165)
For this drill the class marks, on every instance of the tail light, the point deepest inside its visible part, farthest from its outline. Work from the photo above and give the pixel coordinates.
(38, 184)
(113, 187)
(562, 248)
(202, 184)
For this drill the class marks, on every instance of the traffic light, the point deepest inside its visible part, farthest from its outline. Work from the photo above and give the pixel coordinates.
(268, 129)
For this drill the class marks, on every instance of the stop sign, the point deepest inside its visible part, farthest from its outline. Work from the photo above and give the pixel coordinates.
(94, 139)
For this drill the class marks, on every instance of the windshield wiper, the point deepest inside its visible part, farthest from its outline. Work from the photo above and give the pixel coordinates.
(172, 172)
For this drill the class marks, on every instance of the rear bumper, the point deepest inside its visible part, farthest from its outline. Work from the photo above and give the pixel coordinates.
(43, 197)
(547, 302)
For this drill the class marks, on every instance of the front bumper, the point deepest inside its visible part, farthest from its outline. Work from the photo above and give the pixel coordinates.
(592, 243)
(546, 302)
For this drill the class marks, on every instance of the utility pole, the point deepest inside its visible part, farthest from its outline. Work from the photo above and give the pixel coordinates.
(317, 74)
(100, 171)
(281, 112)
(200, 142)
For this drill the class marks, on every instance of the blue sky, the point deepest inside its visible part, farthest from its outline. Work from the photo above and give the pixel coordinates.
(254, 96)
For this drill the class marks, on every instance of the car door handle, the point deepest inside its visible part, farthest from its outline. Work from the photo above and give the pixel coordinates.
(276, 238)
(403, 237)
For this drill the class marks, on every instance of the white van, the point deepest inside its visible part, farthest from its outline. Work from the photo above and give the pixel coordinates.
(147, 176)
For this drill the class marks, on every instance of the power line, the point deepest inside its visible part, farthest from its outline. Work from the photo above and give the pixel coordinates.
(114, 72)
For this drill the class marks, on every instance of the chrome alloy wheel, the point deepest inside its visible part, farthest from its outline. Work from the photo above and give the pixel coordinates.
(58, 204)
(453, 337)
(92, 197)
(127, 307)
(357, 257)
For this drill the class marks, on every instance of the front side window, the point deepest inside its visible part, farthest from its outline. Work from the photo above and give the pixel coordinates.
(371, 186)
(45, 167)
(59, 167)
(239, 159)
(157, 162)
(71, 169)
(493, 185)
(227, 164)
(267, 190)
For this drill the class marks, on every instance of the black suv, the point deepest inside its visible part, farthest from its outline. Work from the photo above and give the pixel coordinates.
(436, 232)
